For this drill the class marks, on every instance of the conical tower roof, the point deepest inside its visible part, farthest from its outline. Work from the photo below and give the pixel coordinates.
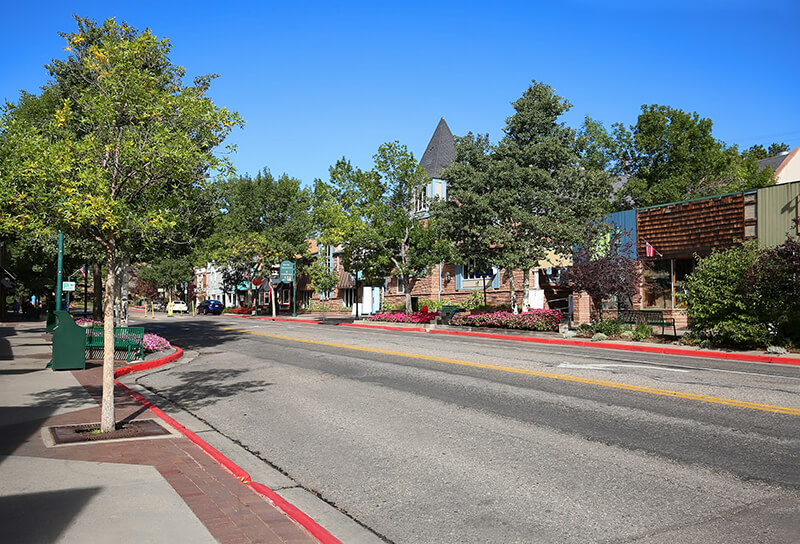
(441, 151)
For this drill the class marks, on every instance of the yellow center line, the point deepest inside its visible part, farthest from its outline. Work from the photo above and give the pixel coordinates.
(550, 375)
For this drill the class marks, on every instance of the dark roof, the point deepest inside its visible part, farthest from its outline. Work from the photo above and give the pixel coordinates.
(772, 162)
(441, 150)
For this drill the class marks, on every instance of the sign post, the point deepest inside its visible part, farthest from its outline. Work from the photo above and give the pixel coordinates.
(288, 275)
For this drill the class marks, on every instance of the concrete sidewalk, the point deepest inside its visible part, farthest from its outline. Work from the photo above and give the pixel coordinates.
(160, 489)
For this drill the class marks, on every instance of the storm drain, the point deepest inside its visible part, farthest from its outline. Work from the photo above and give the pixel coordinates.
(90, 432)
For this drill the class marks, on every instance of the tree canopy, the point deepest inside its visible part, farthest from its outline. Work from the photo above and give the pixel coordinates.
(376, 217)
(535, 191)
(261, 221)
(669, 156)
(111, 150)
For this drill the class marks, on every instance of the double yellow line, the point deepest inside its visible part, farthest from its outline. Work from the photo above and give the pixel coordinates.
(550, 375)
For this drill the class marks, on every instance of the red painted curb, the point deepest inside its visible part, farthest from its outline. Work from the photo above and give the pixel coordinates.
(629, 347)
(294, 513)
(147, 365)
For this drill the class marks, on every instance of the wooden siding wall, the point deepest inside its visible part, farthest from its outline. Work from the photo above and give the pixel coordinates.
(680, 230)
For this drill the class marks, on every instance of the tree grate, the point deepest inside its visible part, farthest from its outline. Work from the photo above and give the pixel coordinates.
(88, 432)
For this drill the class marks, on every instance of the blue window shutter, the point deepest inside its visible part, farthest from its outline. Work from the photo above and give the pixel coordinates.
(496, 278)
(459, 276)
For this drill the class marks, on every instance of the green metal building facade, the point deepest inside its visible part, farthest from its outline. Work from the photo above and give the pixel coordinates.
(777, 207)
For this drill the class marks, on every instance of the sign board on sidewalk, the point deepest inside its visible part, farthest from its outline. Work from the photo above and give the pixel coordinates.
(287, 272)
(67, 285)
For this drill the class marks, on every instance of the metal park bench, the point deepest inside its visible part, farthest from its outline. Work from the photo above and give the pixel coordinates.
(648, 317)
(130, 339)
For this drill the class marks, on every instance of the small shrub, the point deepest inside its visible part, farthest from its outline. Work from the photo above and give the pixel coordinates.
(642, 331)
(776, 350)
(626, 335)
(570, 334)
(599, 337)
(473, 301)
(436, 305)
(609, 327)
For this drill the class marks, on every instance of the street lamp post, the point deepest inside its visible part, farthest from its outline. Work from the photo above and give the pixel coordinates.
(60, 275)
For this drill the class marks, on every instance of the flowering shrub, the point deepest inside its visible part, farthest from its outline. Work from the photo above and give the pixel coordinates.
(401, 317)
(533, 320)
(86, 322)
(245, 310)
(153, 342)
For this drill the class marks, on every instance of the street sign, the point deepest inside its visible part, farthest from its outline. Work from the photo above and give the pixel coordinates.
(287, 272)
(67, 285)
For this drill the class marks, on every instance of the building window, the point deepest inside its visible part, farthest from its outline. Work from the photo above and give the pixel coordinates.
(348, 297)
(657, 279)
(306, 298)
(400, 287)
(468, 276)
(661, 281)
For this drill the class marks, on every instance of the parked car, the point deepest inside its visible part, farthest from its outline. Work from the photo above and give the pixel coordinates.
(179, 306)
(210, 306)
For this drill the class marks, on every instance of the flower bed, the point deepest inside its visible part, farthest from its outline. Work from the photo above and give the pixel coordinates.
(86, 322)
(153, 342)
(402, 317)
(533, 320)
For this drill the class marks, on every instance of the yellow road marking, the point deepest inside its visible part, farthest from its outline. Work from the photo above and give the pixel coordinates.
(551, 375)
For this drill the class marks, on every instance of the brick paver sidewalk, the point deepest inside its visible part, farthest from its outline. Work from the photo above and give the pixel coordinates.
(233, 512)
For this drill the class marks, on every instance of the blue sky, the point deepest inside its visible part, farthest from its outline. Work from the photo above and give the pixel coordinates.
(316, 81)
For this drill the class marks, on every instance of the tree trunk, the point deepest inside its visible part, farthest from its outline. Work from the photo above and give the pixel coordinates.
(97, 285)
(126, 266)
(512, 289)
(272, 305)
(121, 293)
(407, 288)
(526, 289)
(107, 417)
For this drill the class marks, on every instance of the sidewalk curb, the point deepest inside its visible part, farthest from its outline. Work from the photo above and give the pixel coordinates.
(604, 345)
(294, 513)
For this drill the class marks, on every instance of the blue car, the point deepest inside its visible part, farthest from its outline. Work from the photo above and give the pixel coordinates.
(210, 306)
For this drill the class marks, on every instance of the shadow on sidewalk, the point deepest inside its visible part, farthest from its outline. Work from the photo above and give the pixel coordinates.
(31, 518)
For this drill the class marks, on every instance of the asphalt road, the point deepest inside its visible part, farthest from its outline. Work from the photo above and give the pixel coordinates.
(435, 439)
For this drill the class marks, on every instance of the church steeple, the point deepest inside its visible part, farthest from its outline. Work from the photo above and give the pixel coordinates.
(441, 151)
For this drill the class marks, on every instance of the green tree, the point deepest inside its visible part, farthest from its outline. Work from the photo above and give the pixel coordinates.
(167, 273)
(323, 277)
(110, 150)
(265, 220)
(376, 216)
(757, 152)
(670, 155)
(716, 303)
(532, 193)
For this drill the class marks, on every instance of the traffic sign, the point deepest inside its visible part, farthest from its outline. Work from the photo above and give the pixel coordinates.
(287, 272)
(67, 285)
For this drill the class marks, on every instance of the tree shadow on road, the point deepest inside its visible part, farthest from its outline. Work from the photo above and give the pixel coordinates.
(200, 388)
